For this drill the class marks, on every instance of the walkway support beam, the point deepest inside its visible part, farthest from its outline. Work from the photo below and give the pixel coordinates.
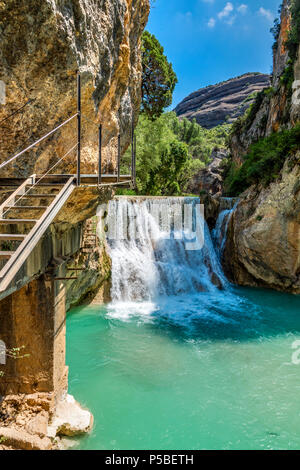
(100, 155)
(78, 126)
(119, 157)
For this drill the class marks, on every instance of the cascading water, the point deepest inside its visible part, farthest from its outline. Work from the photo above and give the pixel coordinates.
(181, 359)
(219, 233)
(149, 261)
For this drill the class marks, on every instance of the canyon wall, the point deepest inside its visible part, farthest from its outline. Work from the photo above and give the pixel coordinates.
(263, 243)
(275, 109)
(42, 45)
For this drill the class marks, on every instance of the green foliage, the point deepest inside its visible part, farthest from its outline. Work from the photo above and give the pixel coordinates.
(171, 152)
(263, 162)
(201, 141)
(275, 30)
(169, 176)
(287, 77)
(243, 123)
(294, 34)
(159, 78)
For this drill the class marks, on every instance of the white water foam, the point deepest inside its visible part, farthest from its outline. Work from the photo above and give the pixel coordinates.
(146, 264)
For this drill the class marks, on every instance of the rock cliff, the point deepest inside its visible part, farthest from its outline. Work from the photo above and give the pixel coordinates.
(42, 45)
(276, 109)
(210, 178)
(263, 243)
(224, 102)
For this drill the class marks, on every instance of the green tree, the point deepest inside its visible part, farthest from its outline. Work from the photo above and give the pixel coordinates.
(159, 78)
(167, 179)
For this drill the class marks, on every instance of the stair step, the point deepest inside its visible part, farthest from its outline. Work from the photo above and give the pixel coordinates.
(6, 254)
(46, 185)
(13, 237)
(42, 196)
(17, 221)
(26, 207)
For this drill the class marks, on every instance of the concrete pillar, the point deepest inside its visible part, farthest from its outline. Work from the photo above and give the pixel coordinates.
(34, 318)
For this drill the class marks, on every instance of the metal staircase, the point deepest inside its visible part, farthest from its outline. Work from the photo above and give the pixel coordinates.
(24, 217)
(29, 205)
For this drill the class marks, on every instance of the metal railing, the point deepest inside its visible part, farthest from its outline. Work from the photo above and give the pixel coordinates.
(77, 145)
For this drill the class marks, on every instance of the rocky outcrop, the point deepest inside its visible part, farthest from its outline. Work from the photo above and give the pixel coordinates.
(275, 109)
(29, 423)
(42, 45)
(70, 419)
(210, 178)
(263, 241)
(224, 102)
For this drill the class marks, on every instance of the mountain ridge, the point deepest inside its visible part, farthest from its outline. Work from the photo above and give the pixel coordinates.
(223, 102)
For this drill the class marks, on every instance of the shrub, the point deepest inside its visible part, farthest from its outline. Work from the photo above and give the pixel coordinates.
(263, 162)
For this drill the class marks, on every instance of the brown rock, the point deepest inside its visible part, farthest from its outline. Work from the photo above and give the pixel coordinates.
(42, 45)
(210, 179)
(223, 102)
(263, 244)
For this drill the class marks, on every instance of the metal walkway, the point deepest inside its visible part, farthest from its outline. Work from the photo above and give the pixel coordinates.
(29, 205)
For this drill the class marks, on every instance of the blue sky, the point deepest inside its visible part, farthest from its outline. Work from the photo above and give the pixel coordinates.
(209, 41)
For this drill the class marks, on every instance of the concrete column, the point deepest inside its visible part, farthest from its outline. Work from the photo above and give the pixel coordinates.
(34, 318)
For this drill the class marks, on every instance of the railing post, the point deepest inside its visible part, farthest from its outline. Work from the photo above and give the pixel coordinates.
(134, 166)
(119, 156)
(100, 156)
(132, 151)
(78, 126)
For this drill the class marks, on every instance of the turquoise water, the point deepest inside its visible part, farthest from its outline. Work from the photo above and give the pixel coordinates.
(200, 371)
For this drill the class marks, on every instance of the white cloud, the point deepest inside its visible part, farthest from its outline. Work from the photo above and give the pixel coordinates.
(184, 17)
(211, 23)
(242, 9)
(231, 20)
(266, 13)
(226, 11)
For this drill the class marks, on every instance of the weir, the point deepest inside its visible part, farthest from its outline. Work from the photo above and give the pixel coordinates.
(162, 247)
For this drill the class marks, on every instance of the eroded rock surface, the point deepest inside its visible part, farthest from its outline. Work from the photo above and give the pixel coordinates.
(210, 179)
(42, 45)
(263, 244)
(224, 102)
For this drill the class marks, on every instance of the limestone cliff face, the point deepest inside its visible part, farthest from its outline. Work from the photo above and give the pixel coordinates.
(223, 102)
(275, 109)
(42, 45)
(263, 243)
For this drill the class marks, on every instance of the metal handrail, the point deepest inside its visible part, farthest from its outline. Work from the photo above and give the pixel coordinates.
(40, 179)
(37, 142)
(32, 238)
(79, 116)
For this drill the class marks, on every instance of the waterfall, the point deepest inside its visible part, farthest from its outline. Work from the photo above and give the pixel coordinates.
(151, 258)
(219, 233)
